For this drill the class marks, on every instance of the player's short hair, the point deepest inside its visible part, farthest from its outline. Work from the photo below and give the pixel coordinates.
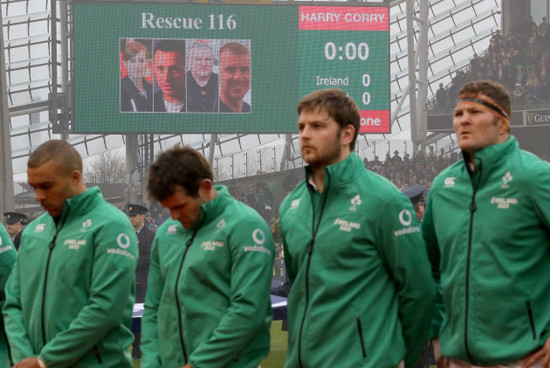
(177, 167)
(338, 105)
(59, 151)
(495, 91)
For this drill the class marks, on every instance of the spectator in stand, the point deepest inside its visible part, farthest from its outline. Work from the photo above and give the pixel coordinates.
(497, 36)
(264, 200)
(475, 64)
(396, 158)
(441, 97)
(420, 158)
(376, 164)
(544, 25)
(387, 160)
(545, 83)
(534, 89)
(406, 160)
(431, 152)
(519, 94)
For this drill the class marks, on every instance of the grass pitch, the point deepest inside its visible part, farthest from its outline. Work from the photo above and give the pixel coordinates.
(277, 352)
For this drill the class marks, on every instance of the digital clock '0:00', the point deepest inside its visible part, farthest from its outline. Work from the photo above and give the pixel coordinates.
(351, 51)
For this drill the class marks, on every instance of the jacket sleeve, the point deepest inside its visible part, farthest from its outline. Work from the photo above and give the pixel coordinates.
(7, 259)
(111, 295)
(434, 257)
(20, 345)
(539, 192)
(8, 254)
(149, 333)
(250, 305)
(540, 198)
(403, 251)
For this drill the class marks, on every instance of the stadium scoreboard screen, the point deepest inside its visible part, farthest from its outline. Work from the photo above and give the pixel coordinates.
(203, 68)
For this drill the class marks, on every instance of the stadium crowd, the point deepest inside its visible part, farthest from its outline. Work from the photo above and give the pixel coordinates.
(406, 171)
(403, 171)
(520, 61)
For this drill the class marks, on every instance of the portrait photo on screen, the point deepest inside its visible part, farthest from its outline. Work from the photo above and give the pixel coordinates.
(202, 76)
(169, 75)
(136, 77)
(235, 73)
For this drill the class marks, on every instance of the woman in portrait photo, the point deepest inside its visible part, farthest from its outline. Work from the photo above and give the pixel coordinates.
(136, 93)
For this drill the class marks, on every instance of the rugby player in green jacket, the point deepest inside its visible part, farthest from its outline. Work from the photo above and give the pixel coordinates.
(70, 295)
(487, 227)
(362, 293)
(7, 259)
(207, 302)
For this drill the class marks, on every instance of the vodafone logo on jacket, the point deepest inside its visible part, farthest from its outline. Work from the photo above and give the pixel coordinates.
(405, 218)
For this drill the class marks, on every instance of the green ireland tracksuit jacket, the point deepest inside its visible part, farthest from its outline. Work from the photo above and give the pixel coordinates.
(7, 259)
(207, 300)
(488, 237)
(70, 295)
(362, 295)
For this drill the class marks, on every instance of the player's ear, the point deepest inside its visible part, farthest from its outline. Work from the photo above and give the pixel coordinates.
(347, 134)
(205, 187)
(76, 176)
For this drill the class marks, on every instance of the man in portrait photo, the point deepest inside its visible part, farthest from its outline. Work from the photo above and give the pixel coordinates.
(202, 82)
(234, 77)
(169, 69)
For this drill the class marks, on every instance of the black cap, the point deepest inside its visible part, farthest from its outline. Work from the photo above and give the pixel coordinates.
(15, 217)
(414, 192)
(135, 209)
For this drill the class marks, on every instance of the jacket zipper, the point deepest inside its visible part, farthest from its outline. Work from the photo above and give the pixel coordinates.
(43, 311)
(180, 323)
(310, 252)
(531, 319)
(473, 209)
(50, 246)
(361, 340)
